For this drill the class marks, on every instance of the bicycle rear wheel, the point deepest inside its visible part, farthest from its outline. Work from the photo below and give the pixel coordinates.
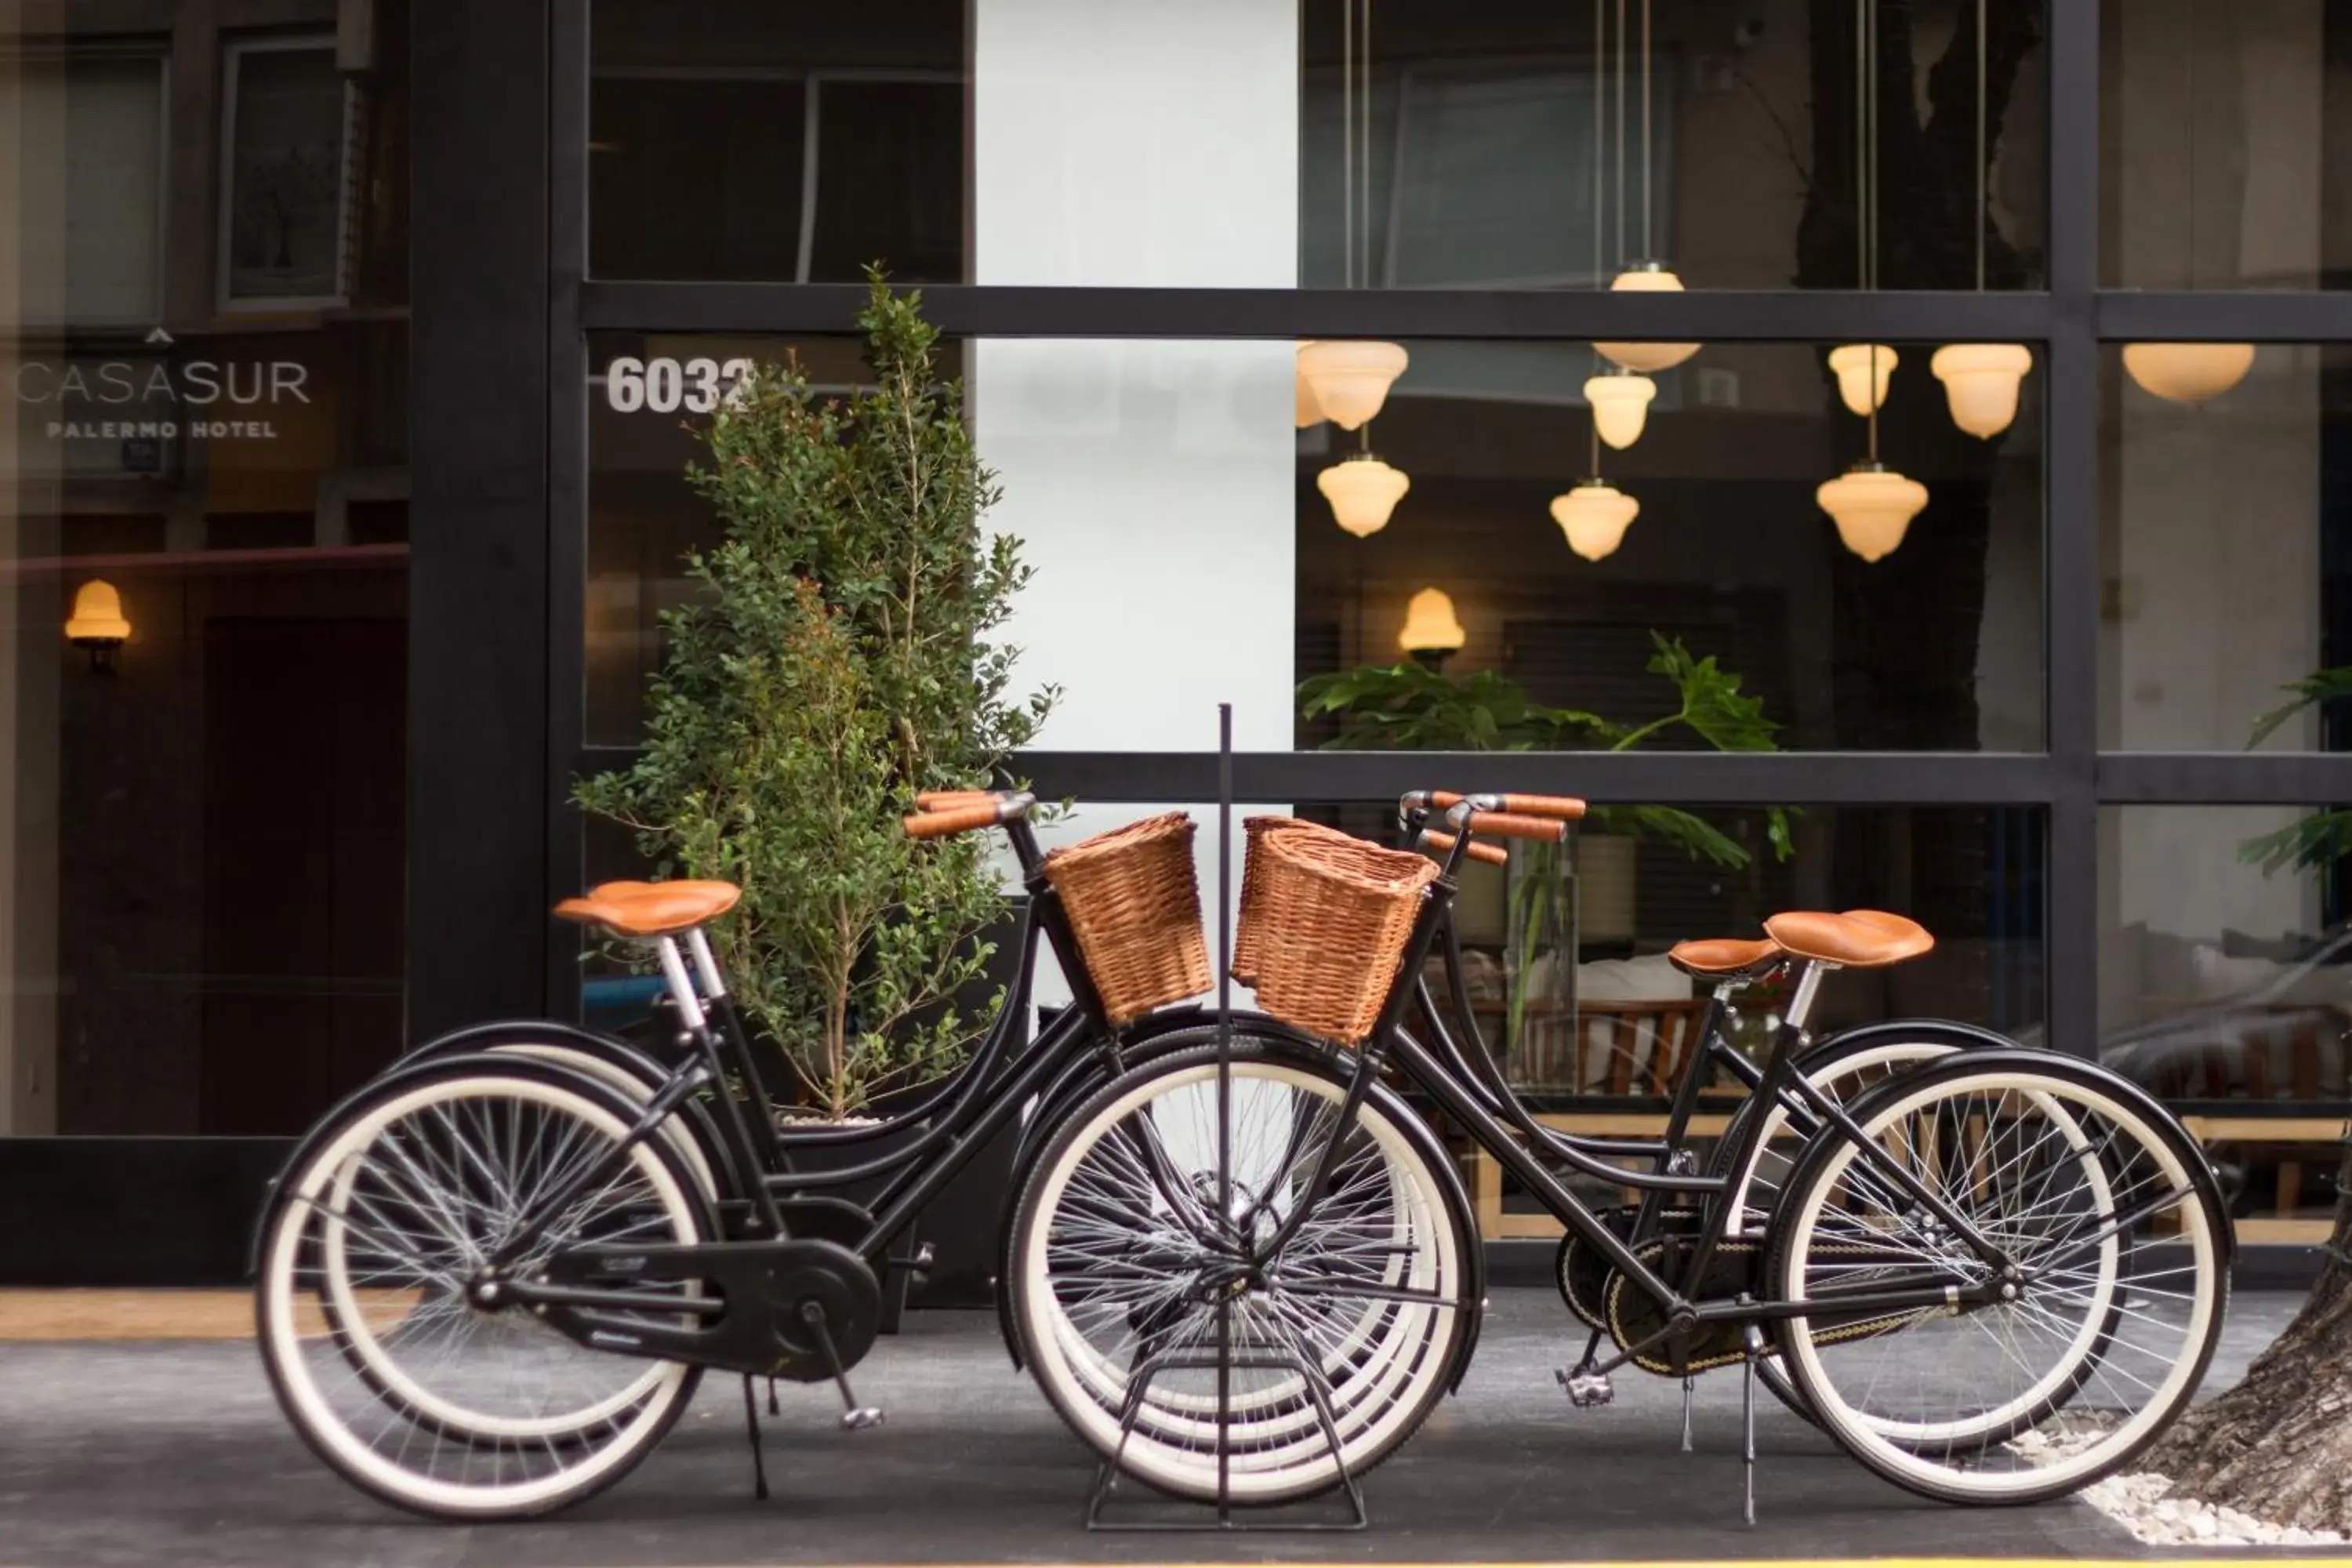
(2101, 1202)
(366, 1323)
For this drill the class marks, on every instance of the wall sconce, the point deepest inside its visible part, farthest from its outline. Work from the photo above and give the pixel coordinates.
(97, 623)
(1431, 631)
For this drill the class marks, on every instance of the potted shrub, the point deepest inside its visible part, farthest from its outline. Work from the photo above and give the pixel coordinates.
(838, 658)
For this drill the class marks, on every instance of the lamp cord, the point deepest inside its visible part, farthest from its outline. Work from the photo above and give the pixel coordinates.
(1600, 132)
(1347, 142)
(1621, 132)
(1865, 176)
(1983, 171)
(2188, 119)
(1649, 245)
(1364, 164)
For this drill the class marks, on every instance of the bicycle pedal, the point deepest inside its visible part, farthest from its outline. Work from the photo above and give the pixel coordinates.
(1587, 1390)
(864, 1417)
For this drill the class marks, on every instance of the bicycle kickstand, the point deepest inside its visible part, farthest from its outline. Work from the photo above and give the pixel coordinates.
(1752, 1341)
(751, 1426)
(854, 1417)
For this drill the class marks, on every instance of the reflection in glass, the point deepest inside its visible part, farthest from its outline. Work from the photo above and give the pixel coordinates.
(776, 143)
(204, 589)
(2224, 557)
(1498, 147)
(2225, 979)
(2223, 132)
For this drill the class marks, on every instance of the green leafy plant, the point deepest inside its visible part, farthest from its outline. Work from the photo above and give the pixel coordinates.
(1409, 707)
(2315, 842)
(837, 659)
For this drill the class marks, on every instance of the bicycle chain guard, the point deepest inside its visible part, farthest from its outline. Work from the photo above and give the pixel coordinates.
(765, 1285)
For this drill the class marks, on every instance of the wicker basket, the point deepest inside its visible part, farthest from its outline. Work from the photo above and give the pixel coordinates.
(1135, 904)
(1254, 877)
(1332, 919)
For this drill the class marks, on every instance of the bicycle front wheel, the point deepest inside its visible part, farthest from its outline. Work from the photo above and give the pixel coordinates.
(1343, 1340)
(2023, 1386)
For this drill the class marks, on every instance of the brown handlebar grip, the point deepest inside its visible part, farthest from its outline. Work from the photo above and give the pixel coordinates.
(948, 799)
(959, 819)
(1511, 825)
(1558, 807)
(1492, 853)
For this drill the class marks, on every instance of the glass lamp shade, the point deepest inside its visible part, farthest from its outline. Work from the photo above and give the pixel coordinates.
(2189, 373)
(1363, 492)
(1981, 383)
(97, 615)
(1594, 516)
(1621, 406)
(1429, 624)
(1647, 277)
(1350, 380)
(1862, 372)
(1304, 408)
(1872, 506)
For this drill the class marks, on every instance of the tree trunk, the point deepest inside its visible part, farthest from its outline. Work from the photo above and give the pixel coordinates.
(2278, 1447)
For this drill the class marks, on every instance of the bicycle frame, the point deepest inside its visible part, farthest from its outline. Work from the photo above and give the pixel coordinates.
(992, 1089)
(1501, 1126)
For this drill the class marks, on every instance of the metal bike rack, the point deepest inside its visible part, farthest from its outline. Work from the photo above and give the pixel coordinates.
(1224, 1360)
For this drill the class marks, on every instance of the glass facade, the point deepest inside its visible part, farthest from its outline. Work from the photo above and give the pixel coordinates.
(2225, 985)
(204, 250)
(312, 800)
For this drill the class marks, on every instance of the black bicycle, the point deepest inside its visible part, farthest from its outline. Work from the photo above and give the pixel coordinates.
(491, 1280)
(1992, 1277)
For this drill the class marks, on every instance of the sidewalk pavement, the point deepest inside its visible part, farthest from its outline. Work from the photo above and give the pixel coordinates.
(148, 1451)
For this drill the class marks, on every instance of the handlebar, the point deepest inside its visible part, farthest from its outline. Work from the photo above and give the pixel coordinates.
(1510, 824)
(947, 799)
(1442, 843)
(1558, 807)
(964, 815)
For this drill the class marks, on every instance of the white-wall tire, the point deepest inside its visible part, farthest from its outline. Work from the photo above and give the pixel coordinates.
(487, 1463)
(1384, 1369)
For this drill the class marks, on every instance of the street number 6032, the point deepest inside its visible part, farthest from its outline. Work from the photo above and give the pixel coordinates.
(665, 386)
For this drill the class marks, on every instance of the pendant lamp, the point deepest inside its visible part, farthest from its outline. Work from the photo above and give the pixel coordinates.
(1350, 380)
(1873, 506)
(1621, 405)
(1305, 410)
(1594, 516)
(1431, 630)
(2189, 373)
(1862, 372)
(1980, 381)
(1363, 492)
(1647, 277)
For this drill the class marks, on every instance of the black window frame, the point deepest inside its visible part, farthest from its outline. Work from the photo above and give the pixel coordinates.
(2073, 322)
